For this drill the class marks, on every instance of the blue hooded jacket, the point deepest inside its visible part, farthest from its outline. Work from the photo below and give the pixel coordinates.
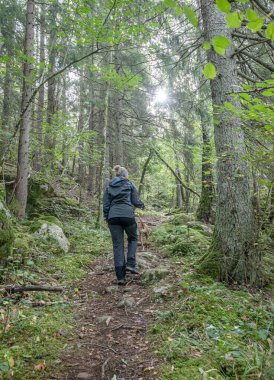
(119, 198)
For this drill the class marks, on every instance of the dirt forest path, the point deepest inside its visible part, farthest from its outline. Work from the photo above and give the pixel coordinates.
(112, 321)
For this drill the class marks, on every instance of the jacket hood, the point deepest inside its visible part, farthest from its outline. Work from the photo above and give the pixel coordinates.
(117, 182)
(117, 186)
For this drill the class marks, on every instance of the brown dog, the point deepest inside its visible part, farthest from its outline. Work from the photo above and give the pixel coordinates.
(143, 231)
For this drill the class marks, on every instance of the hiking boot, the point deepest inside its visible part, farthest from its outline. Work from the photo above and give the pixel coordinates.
(121, 282)
(131, 270)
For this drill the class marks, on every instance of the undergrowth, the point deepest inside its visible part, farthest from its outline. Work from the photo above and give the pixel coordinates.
(206, 330)
(35, 327)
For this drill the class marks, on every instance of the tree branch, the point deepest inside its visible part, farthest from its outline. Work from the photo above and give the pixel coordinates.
(175, 174)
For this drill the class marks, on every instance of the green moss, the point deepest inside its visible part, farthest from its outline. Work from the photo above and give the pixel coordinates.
(182, 218)
(23, 243)
(2, 192)
(181, 240)
(209, 263)
(36, 223)
(6, 235)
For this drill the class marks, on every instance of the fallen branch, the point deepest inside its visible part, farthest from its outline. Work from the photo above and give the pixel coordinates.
(44, 304)
(122, 326)
(33, 288)
(103, 368)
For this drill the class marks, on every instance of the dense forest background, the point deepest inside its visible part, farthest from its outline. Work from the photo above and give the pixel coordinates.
(178, 92)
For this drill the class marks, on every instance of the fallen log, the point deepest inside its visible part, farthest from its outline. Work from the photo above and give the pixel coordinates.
(32, 288)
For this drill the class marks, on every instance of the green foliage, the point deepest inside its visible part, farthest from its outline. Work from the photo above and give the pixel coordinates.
(190, 14)
(223, 5)
(209, 71)
(207, 330)
(6, 235)
(269, 33)
(220, 43)
(234, 19)
(206, 45)
(255, 22)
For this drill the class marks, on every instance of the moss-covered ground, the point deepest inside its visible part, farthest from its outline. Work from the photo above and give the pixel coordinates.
(204, 329)
(36, 327)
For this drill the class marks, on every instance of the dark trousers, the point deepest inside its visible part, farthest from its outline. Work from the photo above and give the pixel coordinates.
(117, 226)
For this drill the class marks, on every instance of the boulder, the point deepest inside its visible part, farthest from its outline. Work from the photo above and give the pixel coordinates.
(52, 232)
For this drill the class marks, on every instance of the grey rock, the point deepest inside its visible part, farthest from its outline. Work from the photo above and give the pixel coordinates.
(112, 289)
(50, 230)
(155, 274)
(162, 290)
(104, 319)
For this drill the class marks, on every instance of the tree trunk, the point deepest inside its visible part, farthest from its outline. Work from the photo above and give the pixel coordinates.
(51, 93)
(80, 128)
(205, 211)
(233, 256)
(141, 186)
(41, 96)
(21, 185)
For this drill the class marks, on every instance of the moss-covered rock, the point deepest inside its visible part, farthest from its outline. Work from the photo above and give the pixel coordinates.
(37, 222)
(6, 234)
(155, 274)
(181, 218)
(181, 240)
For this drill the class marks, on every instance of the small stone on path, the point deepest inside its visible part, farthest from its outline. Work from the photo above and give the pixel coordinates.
(84, 376)
(104, 319)
(112, 289)
(126, 302)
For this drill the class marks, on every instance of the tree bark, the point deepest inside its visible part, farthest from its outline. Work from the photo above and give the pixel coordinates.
(51, 93)
(205, 210)
(21, 185)
(233, 256)
(141, 186)
(41, 96)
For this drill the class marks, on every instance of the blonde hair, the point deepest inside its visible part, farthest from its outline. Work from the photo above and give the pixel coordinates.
(120, 171)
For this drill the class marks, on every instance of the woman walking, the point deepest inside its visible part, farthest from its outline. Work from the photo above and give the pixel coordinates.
(119, 199)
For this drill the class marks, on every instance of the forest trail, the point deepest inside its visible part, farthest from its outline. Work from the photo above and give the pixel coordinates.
(112, 321)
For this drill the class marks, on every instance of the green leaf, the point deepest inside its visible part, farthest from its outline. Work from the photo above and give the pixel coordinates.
(251, 15)
(4, 367)
(269, 33)
(223, 5)
(209, 71)
(234, 19)
(191, 15)
(255, 22)
(267, 93)
(220, 43)
(245, 96)
(229, 106)
(179, 10)
(206, 45)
